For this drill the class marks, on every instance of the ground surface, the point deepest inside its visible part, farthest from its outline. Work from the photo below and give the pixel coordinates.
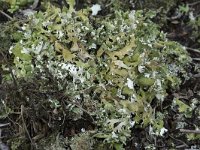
(177, 29)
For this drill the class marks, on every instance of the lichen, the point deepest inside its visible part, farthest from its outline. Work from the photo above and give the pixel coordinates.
(120, 63)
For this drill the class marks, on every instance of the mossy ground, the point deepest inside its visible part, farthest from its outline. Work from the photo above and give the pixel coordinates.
(36, 122)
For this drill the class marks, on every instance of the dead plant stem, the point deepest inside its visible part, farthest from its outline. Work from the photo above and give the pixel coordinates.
(190, 131)
(5, 14)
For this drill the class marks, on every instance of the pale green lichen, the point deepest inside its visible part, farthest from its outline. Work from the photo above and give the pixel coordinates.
(119, 63)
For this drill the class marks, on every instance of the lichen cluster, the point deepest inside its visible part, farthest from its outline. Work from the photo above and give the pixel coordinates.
(118, 67)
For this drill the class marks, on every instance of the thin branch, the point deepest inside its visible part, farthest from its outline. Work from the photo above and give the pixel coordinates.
(180, 146)
(175, 17)
(35, 4)
(3, 125)
(190, 131)
(24, 124)
(193, 50)
(5, 14)
(196, 75)
(179, 141)
(194, 3)
(197, 16)
(196, 59)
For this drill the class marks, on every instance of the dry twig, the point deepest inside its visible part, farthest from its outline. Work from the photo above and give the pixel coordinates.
(5, 14)
(190, 131)
(196, 59)
(194, 3)
(25, 127)
(35, 4)
(183, 143)
(193, 50)
(3, 125)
